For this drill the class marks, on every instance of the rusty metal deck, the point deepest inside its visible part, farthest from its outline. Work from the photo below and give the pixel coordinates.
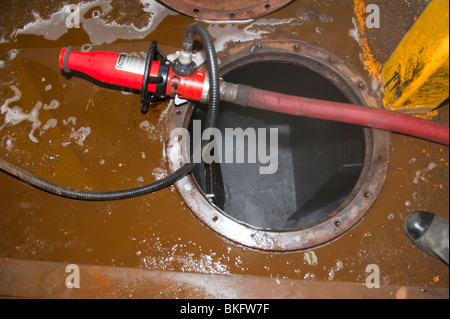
(157, 237)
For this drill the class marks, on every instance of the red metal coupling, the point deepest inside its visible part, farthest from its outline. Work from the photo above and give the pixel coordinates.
(193, 88)
(128, 71)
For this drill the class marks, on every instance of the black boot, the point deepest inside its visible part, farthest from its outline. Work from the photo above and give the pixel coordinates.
(430, 233)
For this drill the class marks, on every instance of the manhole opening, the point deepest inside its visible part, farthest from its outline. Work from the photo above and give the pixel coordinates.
(318, 164)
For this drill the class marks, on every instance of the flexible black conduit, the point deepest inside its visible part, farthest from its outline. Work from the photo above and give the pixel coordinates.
(214, 101)
(214, 90)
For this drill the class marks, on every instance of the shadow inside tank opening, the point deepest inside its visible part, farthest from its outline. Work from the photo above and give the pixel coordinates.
(319, 161)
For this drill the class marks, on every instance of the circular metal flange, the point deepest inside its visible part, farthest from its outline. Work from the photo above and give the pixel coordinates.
(366, 190)
(225, 10)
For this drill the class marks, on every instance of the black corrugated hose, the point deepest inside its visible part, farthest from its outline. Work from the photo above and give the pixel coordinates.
(214, 101)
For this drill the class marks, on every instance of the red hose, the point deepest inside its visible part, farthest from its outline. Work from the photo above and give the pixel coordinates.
(369, 117)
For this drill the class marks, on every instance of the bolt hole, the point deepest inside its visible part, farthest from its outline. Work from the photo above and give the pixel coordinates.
(232, 15)
(178, 112)
(267, 6)
(196, 11)
(215, 219)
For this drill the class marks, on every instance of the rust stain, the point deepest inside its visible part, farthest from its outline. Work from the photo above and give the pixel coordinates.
(372, 65)
(427, 116)
(402, 293)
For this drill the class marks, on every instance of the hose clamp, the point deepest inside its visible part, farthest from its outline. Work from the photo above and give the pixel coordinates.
(66, 58)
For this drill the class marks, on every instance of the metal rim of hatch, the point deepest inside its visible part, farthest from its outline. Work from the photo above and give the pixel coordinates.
(225, 10)
(363, 196)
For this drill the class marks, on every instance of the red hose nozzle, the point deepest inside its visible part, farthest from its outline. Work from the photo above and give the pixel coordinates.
(128, 71)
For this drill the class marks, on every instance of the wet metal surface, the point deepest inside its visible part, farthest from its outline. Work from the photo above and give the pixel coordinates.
(89, 136)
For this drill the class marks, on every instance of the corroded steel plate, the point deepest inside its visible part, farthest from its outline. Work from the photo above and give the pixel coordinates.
(225, 10)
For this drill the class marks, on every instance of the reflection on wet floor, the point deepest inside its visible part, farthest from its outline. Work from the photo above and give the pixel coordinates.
(87, 135)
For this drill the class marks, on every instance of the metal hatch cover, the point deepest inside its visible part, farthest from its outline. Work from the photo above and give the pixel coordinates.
(225, 10)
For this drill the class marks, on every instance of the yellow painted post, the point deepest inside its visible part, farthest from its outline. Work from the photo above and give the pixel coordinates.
(416, 76)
